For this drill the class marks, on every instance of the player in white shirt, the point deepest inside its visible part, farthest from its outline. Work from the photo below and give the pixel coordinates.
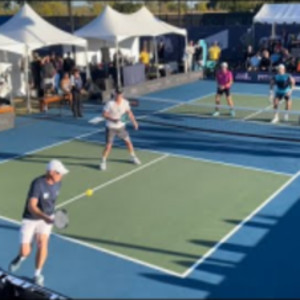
(116, 113)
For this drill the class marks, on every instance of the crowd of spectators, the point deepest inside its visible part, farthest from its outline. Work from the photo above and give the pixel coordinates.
(272, 52)
(52, 74)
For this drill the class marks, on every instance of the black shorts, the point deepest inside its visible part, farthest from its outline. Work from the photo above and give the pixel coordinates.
(225, 91)
(121, 133)
(281, 96)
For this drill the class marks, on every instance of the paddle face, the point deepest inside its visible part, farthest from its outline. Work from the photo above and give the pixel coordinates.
(61, 219)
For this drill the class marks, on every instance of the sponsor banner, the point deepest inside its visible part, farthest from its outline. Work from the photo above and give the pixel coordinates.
(259, 77)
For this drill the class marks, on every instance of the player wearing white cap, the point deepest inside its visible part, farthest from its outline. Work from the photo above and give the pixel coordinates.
(284, 85)
(38, 217)
(224, 80)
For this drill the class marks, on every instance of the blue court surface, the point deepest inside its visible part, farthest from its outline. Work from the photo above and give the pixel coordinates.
(242, 242)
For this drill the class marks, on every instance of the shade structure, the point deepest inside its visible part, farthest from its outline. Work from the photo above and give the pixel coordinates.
(29, 28)
(278, 14)
(8, 44)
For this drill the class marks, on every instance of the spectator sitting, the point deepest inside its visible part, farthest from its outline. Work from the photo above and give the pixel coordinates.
(254, 62)
(265, 62)
(276, 57)
(161, 51)
(214, 52)
(65, 86)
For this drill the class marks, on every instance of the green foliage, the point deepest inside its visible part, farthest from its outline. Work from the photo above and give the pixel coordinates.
(126, 7)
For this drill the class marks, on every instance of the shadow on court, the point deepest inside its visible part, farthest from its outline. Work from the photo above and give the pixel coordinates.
(267, 269)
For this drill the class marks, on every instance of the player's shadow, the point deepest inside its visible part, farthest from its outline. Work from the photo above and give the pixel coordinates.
(264, 263)
(102, 242)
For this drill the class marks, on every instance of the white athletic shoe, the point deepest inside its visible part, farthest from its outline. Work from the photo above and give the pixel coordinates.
(286, 117)
(136, 161)
(275, 120)
(103, 166)
(39, 280)
(216, 114)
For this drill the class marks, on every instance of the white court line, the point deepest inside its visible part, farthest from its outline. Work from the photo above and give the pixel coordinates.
(238, 227)
(106, 251)
(103, 185)
(260, 111)
(218, 162)
(50, 146)
(88, 134)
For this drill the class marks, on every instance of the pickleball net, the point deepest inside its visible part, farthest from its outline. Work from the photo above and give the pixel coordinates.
(249, 121)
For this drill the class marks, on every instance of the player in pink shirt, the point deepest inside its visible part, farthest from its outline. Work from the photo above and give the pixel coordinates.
(224, 80)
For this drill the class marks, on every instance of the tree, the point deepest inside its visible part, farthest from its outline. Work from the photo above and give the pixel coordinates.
(127, 7)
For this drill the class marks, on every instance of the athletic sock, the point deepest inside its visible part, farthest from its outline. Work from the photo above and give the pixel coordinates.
(37, 272)
(103, 159)
(22, 258)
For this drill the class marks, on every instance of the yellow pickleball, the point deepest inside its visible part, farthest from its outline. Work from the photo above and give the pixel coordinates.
(89, 192)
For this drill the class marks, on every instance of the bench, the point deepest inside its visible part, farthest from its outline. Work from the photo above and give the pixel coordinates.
(44, 102)
(7, 109)
(7, 117)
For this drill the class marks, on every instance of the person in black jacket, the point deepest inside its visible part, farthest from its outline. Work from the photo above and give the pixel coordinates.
(68, 64)
(77, 88)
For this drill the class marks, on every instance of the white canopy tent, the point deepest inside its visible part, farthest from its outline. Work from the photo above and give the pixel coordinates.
(114, 27)
(29, 28)
(8, 44)
(278, 14)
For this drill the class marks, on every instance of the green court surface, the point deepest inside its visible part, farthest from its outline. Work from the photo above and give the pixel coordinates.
(242, 102)
(154, 213)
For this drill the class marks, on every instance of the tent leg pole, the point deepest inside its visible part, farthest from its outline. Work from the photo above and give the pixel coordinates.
(118, 66)
(156, 57)
(29, 109)
(88, 67)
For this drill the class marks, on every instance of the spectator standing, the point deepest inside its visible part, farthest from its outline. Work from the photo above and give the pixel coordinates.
(77, 87)
(68, 63)
(247, 56)
(190, 51)
(48, 74)
(214, 52)
(161, 51)
(36, 73)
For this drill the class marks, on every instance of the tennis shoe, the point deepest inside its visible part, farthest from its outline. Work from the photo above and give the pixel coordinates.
(136, 161)
(15, 265)
(275, 120)
(39, 279)
(103, 166)
(216, 114)
(232, 113)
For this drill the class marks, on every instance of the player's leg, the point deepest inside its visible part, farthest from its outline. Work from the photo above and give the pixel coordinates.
(27, 232)
(288, 106)
(109, 137)
(230, 102)
(218, 102)
(42, 239)
(124, 135)
(275, 106)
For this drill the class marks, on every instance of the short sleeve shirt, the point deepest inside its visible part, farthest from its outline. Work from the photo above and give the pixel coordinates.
(283, 82)
(116, 111)
(46, 195)
(224, 78)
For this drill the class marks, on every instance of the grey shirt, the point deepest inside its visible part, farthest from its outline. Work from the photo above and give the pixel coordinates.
(46, 195)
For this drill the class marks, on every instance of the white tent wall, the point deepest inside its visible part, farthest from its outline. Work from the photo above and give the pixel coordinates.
(17, 75)
(128, 47)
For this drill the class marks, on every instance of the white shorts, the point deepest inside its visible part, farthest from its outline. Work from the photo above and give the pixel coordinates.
(30, 228)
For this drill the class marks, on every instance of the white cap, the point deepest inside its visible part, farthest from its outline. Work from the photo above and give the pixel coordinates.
(281, 66)
(224, 65)
(57, 166)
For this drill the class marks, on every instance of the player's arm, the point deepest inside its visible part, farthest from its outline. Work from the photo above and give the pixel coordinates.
(229, 84)
(35, 210)
(132, 119)
(107, 116)
(293, 82)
